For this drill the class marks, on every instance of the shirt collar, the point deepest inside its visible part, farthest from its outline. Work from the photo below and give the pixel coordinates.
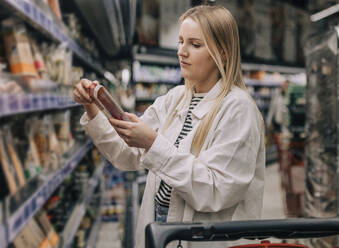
(204, 106)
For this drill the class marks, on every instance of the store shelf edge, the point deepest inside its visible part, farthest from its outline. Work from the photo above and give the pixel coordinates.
(80, 210)
(37, 16)
(94, 232)
(21, 217)
(31, 106)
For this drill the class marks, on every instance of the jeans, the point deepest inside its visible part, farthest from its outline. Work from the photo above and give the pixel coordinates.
(160, 212)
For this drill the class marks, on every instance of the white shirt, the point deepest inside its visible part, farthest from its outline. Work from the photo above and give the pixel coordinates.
(225, 182)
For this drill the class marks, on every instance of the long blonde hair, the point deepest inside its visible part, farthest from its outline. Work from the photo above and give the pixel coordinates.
(220, 34)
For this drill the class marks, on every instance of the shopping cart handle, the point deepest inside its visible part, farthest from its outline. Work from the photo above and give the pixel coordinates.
(158, 235)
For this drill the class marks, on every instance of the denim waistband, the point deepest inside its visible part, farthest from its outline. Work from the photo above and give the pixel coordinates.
(160, 212)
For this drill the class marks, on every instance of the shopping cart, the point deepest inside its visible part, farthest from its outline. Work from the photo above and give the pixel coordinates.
(158, 235)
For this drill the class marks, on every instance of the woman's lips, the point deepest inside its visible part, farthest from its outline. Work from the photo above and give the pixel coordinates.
(182, 63)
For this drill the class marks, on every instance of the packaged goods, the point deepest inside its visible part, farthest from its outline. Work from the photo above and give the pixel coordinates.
(18, 50)
(54, 149)
(25, 239)
(106, 103)
(7, 168)
(47, 228)
(32, 161)
(39, 62)
(63, 130)
(54, 4)
(14, 156)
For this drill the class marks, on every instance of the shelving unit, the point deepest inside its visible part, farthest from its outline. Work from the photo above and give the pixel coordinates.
(46, 185)
(17, 210)
(96, 226)
(80, 209)
(52, 27)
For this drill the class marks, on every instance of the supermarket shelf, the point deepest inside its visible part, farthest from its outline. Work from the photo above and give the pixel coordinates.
(91, 241)
(17, 220)
(94, 232)
(43, 21)
(146, 99)
(79, 211)
(258, 95)
(272, 68)
(256, 82)
(11, 105)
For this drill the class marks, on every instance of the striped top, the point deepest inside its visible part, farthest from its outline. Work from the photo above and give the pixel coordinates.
(163, 195)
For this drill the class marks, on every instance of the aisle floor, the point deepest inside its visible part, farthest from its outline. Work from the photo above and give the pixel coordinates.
(273, 208)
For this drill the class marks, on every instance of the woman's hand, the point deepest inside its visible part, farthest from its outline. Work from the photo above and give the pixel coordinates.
(81, 95)
(81, 92)
(135, 133)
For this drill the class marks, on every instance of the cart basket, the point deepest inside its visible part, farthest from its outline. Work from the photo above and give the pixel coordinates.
(158, 235)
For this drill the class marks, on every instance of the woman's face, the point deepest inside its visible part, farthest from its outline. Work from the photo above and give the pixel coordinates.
(196, 63)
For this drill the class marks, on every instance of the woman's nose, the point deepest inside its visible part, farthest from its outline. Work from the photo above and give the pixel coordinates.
(182, 51)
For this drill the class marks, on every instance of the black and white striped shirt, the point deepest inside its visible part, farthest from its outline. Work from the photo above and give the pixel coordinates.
(163, 195)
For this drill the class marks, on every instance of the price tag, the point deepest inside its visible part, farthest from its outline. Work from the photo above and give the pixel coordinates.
(27, 8)
(35, 14)
(2, 105)
(43, 19)
(26, 102)
(49, 26)
(13, 103)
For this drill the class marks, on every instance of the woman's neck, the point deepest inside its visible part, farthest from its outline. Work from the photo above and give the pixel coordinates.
(204, 87)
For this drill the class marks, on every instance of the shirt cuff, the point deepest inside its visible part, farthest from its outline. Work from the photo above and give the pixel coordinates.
(158, 155)
(98, 125)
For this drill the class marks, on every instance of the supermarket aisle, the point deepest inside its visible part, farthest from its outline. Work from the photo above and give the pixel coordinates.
(273, 195)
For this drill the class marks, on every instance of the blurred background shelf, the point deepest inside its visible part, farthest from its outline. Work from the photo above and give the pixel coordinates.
(20, 208)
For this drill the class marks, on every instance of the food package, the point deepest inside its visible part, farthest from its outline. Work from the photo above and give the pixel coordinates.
(39, 62)
(7, 167)
(18, 50)
(47, 228)
(25, 239)
(106, 103)
(32, 161)
(63, 130)
(8, 138)
(54, 148)
(54, 4)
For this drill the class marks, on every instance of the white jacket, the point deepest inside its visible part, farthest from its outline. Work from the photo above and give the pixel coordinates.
(225, 182)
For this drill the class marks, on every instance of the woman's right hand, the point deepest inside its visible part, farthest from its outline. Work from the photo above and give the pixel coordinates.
(81, 95)
(81, 92)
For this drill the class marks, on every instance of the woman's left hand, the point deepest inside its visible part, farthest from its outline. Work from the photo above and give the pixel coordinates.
(135, 133)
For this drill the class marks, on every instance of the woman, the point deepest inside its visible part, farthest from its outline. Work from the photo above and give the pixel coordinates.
(202, 143)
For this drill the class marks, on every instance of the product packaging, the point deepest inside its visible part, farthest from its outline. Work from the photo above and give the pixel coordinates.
(18, 49)
(39, 62)
(7, 168)
(32, 161)
(47, 228)
(63, 130)
(106, 103)
(54, 148)
(8, 138)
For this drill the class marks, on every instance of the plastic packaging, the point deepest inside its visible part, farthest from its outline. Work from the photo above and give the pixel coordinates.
(106, 103)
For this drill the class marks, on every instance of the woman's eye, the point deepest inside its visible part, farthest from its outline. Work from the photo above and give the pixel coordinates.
(196, 45)
(180, 42)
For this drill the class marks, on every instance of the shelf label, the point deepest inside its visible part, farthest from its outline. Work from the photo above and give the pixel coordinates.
(27, 8)
(35, 14)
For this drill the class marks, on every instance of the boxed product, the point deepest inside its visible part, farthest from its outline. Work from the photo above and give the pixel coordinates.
(18, 50)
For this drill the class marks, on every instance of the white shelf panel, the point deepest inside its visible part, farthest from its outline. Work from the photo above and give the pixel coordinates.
(17, 220)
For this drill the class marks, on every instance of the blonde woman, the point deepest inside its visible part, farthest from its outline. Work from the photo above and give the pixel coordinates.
(202, 143)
